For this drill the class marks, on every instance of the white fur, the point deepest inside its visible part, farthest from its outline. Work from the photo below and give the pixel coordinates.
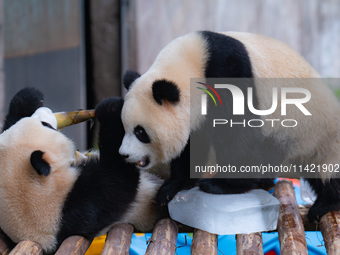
(136, 149)
(27, 211)
(46, 115)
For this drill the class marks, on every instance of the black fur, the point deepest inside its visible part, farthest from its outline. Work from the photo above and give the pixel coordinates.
(23, 104)
(179, 179)
(163, 90)
(141, 134)
(328, 198)
(39, 164)
(8, 241)
(227, 57)
(129, 77)
(105, 189)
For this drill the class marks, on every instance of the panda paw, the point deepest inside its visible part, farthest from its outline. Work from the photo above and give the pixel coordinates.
(23, 104)
(108, 108)
(223, 186)
(169, 189)
(319, 209)
(166, 192)
(27, 101)
(212, 186)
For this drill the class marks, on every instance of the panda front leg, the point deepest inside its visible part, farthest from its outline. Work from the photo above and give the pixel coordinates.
(179, 178)
(328, 198)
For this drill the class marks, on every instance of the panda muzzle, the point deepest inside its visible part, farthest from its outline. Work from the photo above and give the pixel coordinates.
(143, 162)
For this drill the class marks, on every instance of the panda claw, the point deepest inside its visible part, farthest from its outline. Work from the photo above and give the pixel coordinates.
(167, 191)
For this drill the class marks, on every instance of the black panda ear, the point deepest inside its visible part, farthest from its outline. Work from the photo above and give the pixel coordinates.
(39, 164)
(164, 90)
(129, 78)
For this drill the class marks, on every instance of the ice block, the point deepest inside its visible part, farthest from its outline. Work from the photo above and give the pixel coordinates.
(245, 213)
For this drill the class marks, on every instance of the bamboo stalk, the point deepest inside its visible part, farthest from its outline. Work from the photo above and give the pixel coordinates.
(65, 119)
(290, 226)
(27, 248)
(164, 238)
(75, 245)
(250, 244)
(330, 228)
(118, 240)
(204, 243)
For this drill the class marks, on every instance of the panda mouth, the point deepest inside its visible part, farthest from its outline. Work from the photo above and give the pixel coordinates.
(143, 162)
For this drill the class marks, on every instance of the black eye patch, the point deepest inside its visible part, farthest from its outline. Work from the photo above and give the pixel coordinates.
(141, 134)
(47, 125)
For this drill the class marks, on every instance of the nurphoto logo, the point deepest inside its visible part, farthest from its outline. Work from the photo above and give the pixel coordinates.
(294, 96)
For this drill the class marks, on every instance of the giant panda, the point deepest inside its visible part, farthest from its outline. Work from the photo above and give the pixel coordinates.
(156, 114)
(47, 194)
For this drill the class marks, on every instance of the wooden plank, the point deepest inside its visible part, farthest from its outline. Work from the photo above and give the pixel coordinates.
(164, 238)
(290, 226)
(118, 240)
(249, 244)
(27, 248)
(330, 228)
(75, 245)
(204, 243)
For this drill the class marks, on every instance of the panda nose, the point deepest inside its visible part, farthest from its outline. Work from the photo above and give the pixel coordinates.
(125, 155)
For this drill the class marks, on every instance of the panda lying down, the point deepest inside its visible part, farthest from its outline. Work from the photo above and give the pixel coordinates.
(158, 120)
(46, 195)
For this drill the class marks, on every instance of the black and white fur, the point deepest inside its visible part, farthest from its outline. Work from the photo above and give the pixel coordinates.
(47, 195)
(156, 114)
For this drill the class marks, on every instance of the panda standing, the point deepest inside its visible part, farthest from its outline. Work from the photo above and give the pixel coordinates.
(156, 114)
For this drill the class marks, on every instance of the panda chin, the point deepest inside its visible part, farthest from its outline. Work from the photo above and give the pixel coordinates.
(144, 162)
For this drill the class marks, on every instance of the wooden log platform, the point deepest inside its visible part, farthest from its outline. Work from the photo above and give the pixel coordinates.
(250, 244)
(204, 243)
(118, 240)
(291, 228)
(163, 239)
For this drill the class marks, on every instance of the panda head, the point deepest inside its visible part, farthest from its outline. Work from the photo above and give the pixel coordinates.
(142, 143)
(36, 174)
(156, 112)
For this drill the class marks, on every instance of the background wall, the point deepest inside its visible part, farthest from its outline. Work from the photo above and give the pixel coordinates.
(44, 40)
(44, 48)
(311, 27)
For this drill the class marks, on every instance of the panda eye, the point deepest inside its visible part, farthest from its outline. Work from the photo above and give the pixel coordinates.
(47, 125)
(141, 134)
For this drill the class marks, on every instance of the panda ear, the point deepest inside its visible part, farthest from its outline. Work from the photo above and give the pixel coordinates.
(39, 164)
(129, 78)
(164, 90)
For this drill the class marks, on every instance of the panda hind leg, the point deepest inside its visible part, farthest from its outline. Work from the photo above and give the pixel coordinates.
(234, 186)
(328, 198)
